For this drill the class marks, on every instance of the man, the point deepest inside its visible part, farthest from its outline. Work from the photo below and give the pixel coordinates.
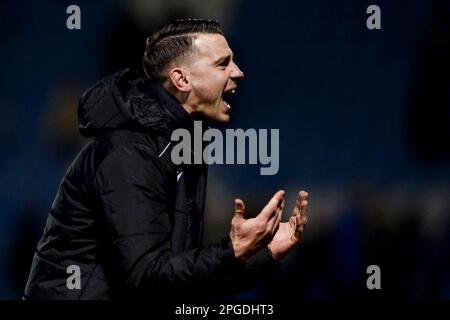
(125, 216)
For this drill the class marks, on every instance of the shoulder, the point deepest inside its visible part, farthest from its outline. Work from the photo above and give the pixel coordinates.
(132, 153)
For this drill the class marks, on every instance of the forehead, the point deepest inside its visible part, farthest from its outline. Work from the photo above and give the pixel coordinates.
(211, 46)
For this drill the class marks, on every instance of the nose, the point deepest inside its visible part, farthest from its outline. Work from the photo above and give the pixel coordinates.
(236, 73)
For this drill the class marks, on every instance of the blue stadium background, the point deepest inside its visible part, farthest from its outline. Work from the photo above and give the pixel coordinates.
(363, 118)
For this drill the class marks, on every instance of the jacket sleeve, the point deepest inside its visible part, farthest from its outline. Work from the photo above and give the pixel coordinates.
(134, 195)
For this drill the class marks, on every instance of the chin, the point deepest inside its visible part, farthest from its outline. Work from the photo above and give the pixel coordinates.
(217, 114)
(218, 118)
(224, 119)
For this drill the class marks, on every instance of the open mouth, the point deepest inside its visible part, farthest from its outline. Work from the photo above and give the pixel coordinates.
(226, 94)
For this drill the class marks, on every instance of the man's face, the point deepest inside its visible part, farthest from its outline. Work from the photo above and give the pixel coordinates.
(212, 74)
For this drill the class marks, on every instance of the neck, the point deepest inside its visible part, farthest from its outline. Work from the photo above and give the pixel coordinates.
(182, 98)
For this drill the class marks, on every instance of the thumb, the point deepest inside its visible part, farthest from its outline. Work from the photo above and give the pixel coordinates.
(239, 208)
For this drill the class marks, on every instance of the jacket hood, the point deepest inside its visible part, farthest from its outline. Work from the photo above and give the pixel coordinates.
(127, 100)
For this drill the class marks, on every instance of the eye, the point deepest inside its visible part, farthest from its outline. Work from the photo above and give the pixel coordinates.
(223, 65)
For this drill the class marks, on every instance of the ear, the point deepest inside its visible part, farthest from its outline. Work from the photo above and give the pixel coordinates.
(180, 79)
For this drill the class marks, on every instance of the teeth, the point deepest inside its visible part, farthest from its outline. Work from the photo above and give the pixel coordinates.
(227, 104)
(233, 91)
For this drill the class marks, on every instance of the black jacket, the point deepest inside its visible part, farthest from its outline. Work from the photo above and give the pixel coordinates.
(128, 217)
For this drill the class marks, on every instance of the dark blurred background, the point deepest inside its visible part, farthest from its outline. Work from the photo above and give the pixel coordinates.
(363, 118)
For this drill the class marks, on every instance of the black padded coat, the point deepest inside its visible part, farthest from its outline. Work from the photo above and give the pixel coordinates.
(126, 216)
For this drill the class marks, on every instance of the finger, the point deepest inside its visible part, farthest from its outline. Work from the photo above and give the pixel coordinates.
(270, 209)
(296, 210)
(280, 206)
(304, 208)
(305, 221)
(239, 208)
(293, 222)
(273, 218)
(298, 234)
(303, 195)
(274, 222)
(300, 197)
(302, 217)
(277, 222)
(299, 224)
